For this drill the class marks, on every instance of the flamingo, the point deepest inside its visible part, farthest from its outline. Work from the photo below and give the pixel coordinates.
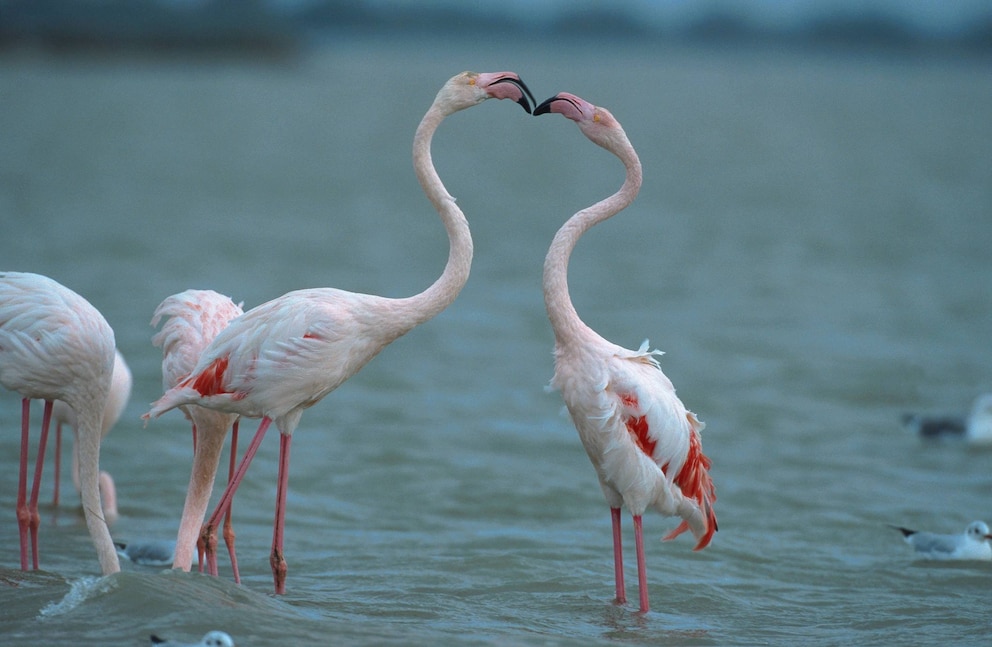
(643, 443)
(193, 319)
(62, 414)
(285, 355)
(54, 345)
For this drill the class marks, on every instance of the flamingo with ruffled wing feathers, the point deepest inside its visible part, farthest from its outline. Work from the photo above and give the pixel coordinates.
(643, 443)
(54, 345)
(284, 356)
(192, 319)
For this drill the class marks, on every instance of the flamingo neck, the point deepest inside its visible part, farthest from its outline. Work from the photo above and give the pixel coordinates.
(442, 292)
(88, 443)
(564, 319)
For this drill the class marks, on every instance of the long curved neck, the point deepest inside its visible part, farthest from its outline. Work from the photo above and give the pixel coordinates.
(89, 427)
(421, 307)
(564, 319)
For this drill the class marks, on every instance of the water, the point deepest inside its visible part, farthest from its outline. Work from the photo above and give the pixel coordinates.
(810, 249)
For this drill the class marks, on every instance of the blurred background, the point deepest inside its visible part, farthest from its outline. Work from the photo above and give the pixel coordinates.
(280, 26)
(810, 249)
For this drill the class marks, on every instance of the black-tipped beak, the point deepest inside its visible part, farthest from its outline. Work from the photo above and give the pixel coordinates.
(523, 101)
(545, 106)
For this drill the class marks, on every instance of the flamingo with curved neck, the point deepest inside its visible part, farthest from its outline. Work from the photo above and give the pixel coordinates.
(192, 319)
(283, 356)
(643, 443)
(54, 345)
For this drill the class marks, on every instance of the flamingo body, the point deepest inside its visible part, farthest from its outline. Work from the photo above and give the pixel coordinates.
(284, 356)
(643, 443)
(54, 345)
(191, 320)
(304, 342)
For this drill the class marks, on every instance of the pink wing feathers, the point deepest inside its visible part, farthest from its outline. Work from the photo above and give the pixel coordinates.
(663, 429)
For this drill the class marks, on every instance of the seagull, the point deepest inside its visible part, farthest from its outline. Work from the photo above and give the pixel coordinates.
(148, 553)
(212, 639)
(974, 429)
(973, 544)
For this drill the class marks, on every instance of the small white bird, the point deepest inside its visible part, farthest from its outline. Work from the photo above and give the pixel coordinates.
(975, 429)
(973, 544)
(148, 553)
(211, 639)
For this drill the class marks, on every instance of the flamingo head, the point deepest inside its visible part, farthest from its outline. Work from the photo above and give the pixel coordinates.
(470, 88)
(598, 124)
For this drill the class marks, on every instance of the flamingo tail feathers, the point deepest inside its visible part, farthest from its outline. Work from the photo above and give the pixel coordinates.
(696, 485)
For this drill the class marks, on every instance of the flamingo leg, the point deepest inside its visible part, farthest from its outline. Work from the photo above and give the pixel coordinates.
(229, 535)
(642, 573)
(228, 496)
(618, 557)
(35, 518)
(23, 516)
(277, 560)
(58, 463)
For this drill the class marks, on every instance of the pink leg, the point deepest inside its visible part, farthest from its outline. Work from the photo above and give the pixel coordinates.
(277, 560)
(618, 557)
(58, 463)
(642, 573)
(23, 516)
(232, 486)
(229, 535)
(46, 421)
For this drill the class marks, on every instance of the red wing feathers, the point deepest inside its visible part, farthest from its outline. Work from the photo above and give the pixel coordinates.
(695, 482)
(210, 381)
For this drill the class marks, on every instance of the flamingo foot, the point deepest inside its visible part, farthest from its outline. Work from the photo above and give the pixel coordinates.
(201, 548)
(229, 538)
(279, 570)
(208, 539)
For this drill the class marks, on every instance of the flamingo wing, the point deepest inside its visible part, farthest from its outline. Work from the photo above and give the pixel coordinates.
(664, 430)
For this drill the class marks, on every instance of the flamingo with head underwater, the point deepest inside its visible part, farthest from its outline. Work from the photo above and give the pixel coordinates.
(192, 319)
(62, 414)
(54, 345)
(285, 355)
(643, 442)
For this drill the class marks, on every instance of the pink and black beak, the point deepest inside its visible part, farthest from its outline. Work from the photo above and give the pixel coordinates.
(545, 106)
(526, 98)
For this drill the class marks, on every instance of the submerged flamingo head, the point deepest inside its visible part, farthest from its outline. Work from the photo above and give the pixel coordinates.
(598, 124)
(470, 88)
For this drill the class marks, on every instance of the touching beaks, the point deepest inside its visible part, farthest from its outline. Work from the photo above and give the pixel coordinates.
(545, 106)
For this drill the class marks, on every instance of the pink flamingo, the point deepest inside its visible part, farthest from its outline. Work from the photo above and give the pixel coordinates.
(62, 414)
(194, 318)
(642, 441)
(285, 355)
(54, 345)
